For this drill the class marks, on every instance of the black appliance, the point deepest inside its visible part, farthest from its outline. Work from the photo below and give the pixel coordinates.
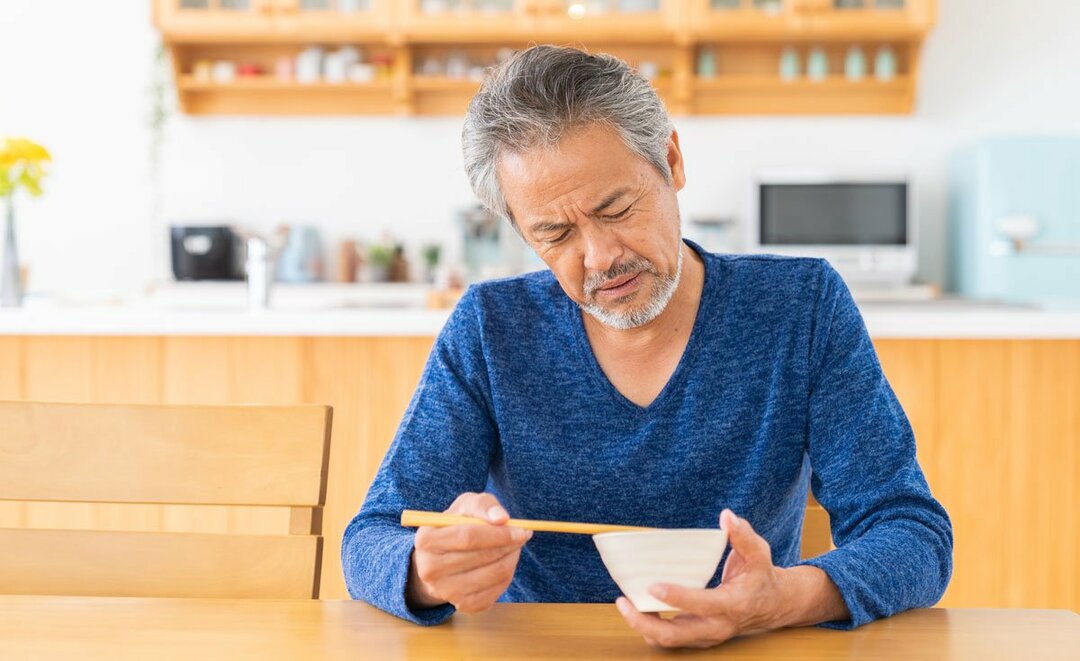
(212, 252)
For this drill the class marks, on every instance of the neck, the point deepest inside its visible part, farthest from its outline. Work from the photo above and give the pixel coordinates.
(678, 317)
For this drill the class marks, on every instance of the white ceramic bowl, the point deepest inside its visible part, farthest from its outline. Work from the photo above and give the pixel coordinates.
(636, 560)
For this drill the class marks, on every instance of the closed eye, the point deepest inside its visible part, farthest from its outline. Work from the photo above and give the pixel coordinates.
(616, 216)
(558, 239)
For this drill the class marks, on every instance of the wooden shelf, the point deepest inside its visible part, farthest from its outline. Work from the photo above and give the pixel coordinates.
(770, 95)
(441, 95)
(273, 22)
(269, 96)
(189, 83)
(444, 84)
(330, 33)
(803, 85)
(747, 42)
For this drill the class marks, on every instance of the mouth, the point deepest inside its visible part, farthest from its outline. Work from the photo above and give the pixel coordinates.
(619, 287)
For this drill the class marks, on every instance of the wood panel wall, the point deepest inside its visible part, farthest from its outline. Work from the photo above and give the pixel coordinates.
(997, 423)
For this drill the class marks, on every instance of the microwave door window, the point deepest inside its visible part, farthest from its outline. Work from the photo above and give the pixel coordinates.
(834, 214)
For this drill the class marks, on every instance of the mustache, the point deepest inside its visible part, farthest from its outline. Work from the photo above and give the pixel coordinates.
(595, 281)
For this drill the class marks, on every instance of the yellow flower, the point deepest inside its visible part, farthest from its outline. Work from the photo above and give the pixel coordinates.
(22, 164)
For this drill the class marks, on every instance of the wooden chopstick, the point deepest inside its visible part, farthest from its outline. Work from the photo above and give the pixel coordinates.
(416, 518)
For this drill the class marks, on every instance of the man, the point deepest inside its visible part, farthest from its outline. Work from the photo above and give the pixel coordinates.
(641, 381)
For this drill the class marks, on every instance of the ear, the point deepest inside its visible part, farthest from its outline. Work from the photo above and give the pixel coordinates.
(675, 162)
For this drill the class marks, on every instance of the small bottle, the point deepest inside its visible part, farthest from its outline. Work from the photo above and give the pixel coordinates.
(789, 64)
(706, 67)
(399, 265)
(855, 64)
(285, 69)
(346, 262)
(817, 65)
(457, 64)
(648, 70)
(203, 70)
(223, 71)
(309, 64)
(885, 64)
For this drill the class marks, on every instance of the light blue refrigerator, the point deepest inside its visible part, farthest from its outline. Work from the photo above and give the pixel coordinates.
(1027, 187)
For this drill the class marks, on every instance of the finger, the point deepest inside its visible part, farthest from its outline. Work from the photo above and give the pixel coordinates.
(469, 537)
(481, 600)
(480, 505)
(494, 576)
(711, 630)
(714, 601)
(651, 626)
(734, 566)
(677, 632)
(447, 564)
(742, 538)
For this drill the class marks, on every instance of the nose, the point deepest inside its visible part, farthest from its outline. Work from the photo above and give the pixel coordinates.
(602, 248)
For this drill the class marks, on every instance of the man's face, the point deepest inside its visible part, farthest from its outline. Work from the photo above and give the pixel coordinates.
(603, 219)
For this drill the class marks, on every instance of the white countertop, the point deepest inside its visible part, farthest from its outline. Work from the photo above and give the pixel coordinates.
(397, 310)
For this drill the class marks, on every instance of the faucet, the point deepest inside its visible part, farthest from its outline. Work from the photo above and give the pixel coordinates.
(259, 277)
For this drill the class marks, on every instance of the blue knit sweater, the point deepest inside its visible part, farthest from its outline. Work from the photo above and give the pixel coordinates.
(779, 390)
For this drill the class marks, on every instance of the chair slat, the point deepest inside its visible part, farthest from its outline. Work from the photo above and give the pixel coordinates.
(220, 455)
(147, 564)
(817, 534)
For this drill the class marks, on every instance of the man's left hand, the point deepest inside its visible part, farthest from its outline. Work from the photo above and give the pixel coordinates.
(753, 595)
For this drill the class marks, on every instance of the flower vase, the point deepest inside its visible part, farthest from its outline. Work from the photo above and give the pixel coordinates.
(10, 279)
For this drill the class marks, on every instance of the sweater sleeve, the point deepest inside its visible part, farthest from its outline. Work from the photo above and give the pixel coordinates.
(442, 448)
(894, 540)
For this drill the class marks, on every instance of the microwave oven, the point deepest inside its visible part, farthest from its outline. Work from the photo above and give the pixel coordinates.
(861, 223)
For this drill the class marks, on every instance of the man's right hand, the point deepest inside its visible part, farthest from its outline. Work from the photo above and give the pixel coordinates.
(469, 566)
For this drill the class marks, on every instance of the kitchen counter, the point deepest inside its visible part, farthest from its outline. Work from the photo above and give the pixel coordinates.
(884, 320)
(215, 309)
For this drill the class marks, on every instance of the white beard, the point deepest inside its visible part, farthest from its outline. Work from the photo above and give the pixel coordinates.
(657, 303)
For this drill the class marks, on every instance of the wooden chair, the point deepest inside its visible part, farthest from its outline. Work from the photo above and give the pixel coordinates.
(194, 455)
(817, 533)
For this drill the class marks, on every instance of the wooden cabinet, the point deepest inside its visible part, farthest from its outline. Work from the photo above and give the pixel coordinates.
(867, 19)
(749, 39)
(214, 19)
(611, 22)
(745, 20)
(460, 22)
(510, 21)
(271, 21)
(704, 56)
(260, 41)
(334, 20)
(767, 20)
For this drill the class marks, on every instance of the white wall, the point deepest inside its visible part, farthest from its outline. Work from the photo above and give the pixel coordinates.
(75, 76)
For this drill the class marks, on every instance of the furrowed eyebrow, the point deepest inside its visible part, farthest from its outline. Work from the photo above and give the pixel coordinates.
(609, 200)
(549, 226)
(546, 226)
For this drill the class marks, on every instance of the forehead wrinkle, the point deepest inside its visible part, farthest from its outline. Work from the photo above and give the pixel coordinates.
(547, 164)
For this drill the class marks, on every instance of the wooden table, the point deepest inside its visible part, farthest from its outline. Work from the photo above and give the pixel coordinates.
(117, 628)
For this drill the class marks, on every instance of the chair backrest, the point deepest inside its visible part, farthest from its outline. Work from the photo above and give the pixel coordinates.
(166, 455)
(817, 532)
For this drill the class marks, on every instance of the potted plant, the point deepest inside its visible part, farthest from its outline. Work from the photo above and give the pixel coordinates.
(22, 165)
(378, 258)
(430, 253)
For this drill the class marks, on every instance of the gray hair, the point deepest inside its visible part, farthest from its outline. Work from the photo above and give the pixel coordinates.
(532, 99)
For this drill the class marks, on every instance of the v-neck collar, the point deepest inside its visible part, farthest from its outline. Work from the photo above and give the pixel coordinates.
(592, 365)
